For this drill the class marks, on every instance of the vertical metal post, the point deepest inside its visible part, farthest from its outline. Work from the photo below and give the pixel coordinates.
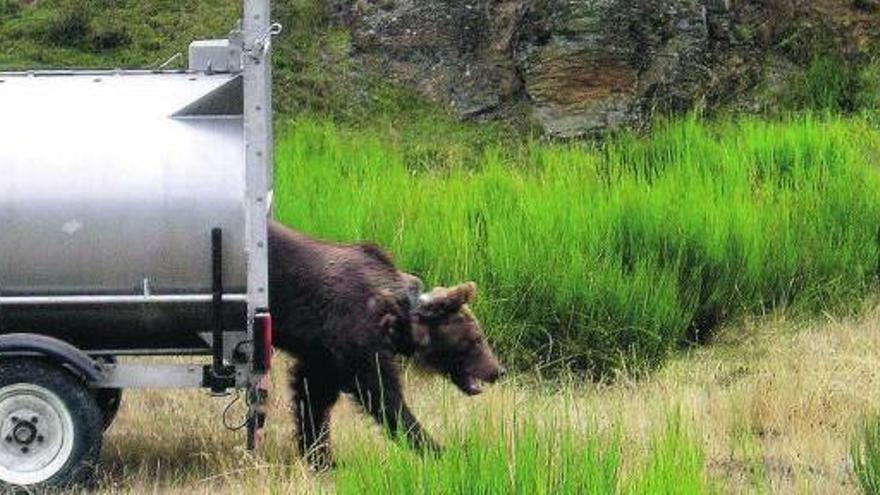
(258, 145)
(257, 67)
(217, 304)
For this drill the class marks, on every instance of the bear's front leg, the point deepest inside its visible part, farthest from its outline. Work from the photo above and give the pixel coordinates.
(380, 393)
(315, 391)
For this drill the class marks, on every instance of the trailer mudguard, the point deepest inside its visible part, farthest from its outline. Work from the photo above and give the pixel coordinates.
(29, 344)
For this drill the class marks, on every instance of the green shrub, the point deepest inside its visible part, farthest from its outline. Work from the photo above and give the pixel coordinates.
(109, 35)
(831, 84)
(865, 456)
(869, 86)
(9, 8)
(69, 27)
(598, 257)
(75, 26)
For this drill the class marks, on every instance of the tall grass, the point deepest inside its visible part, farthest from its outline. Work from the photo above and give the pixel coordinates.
(531, 455)
(598, 257)
(865, 457)
(675, 465)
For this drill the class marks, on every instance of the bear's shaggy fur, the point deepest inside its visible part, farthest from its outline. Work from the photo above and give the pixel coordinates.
(344, 312)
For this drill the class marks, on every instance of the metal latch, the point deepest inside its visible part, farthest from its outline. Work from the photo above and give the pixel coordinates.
(263, 44)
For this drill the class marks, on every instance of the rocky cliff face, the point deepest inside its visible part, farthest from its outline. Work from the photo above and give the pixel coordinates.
(583, 67)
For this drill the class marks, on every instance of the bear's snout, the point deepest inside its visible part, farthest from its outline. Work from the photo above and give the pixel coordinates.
(495, 375)
(491, 372)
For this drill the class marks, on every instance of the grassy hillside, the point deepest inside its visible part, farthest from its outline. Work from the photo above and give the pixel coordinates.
(107, 34)
(312, 71)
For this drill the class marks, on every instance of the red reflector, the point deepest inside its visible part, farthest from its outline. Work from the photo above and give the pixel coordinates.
(267, 338)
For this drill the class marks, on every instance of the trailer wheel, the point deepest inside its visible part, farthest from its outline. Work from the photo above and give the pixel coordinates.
(50, 426)
(109, 400)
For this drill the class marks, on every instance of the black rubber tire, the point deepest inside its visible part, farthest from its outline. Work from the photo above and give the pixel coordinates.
(80, 404)
(109, 400)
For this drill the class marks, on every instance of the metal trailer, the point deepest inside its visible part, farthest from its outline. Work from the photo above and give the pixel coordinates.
(133, 214)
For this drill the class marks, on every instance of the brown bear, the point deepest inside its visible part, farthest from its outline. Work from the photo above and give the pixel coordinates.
(344, 312)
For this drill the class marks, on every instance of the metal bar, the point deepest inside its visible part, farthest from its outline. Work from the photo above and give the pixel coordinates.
(209, 117)
(256, 34)
(170, 60)
(103, 72)
(151, 376)
(230, 338)
(217, 302)
(134, 299)
(206, 351)
(258, 140)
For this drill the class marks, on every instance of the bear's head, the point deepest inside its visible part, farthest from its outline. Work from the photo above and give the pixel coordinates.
(448, 338)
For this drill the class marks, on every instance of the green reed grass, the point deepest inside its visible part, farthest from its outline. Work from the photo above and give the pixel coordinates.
(675, 465)
(602, 256)
(528, 456)
(865, 456)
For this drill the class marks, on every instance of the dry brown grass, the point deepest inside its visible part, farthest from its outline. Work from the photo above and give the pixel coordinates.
(774, 406)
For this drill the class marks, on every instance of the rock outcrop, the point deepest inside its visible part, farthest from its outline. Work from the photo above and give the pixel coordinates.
(583, 67)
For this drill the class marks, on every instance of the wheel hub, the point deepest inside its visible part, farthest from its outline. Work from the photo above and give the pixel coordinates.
(36, 433)
(25, 433)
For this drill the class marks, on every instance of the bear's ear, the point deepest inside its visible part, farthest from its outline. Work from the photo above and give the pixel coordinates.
(462, 294)
(441, 301)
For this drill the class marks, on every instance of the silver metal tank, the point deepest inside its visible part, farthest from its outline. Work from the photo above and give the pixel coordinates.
(110, 184)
